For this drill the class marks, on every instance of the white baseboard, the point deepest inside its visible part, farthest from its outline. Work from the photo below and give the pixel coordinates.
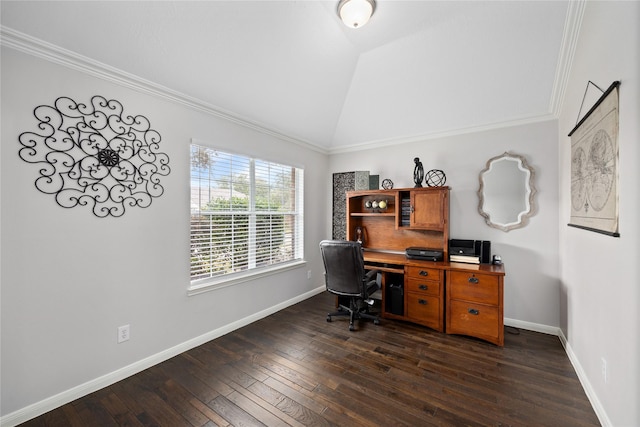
(46, 405)
(39, 408)
(586, 385)
(529, 326)
(582, 376)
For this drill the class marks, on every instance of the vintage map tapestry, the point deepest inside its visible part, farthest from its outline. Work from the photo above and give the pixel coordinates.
(594, 167)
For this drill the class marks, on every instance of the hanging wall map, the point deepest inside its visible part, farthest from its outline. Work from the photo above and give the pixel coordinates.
(95, 155)
(594, 167)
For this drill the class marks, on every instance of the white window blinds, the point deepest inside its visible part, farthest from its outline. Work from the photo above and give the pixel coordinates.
(246, 213)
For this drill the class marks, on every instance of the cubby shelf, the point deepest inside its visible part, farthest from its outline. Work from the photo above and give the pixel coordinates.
(391, 214)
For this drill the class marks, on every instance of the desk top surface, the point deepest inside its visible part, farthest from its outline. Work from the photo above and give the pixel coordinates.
(401, 259)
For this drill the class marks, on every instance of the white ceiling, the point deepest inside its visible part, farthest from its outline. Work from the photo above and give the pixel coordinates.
(418, 68)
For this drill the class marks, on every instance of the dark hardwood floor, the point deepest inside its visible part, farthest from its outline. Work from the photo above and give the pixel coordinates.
(294, 368)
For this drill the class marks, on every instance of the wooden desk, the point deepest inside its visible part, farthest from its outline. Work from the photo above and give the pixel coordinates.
(449, 297)
(455, 298)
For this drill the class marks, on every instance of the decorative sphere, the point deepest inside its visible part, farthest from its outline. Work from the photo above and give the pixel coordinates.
(382, 204)
(367, 204)
(435, 178)
(387, 184)
(374, 205)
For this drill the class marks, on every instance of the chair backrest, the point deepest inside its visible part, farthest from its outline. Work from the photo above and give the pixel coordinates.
(343, 266)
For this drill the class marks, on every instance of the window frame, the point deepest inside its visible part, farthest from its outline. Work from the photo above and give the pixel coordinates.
(206, 284)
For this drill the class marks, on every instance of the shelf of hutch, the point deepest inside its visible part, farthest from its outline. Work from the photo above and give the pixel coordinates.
(373, 214)
(412, 217)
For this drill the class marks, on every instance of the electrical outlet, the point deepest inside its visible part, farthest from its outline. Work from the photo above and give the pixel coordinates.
(123, 333)
(308, 274)
(603, 366)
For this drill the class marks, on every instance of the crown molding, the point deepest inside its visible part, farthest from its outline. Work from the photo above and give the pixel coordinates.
(44, 50)
(39, 48)
(572, 25)
(442, 134)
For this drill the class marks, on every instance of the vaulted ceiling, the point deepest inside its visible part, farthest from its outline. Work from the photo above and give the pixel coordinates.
(418, 68)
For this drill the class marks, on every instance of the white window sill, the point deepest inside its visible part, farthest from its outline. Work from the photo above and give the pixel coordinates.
(237, 278)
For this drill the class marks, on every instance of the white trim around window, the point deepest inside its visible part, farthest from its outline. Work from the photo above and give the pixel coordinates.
(247, 218)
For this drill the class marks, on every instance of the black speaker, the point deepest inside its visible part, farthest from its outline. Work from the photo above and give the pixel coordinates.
(483, 250)
(395, 299)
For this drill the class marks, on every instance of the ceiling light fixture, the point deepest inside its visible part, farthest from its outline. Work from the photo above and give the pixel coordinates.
(356, 13)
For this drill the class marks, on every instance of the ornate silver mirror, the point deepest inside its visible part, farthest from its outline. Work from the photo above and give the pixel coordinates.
(506, 192)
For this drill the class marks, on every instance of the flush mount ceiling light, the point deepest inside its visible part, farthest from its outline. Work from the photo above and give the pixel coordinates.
(356, 13)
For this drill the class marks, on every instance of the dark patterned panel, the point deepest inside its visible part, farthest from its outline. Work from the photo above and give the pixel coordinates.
(343, 182)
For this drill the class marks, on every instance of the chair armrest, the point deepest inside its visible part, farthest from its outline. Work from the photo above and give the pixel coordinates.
(372, 281)
(370, 275)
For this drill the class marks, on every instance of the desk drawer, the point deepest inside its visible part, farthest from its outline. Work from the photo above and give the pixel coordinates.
(423, 286)
(423, 273)
(476, 320)
(424, 309)
(482, 288)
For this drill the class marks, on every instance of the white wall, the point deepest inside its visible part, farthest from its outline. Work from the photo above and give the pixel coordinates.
(69, 279)
(530, 254)
(600, 274)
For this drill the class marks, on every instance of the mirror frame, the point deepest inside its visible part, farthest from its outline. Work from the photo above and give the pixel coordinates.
(523, 217)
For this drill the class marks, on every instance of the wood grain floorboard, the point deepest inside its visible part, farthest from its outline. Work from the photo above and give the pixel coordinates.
(295, 369)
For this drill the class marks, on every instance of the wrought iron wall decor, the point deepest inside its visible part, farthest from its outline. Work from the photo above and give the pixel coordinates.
(95, 155)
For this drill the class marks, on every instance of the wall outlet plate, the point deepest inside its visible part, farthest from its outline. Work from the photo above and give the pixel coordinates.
(123, 333)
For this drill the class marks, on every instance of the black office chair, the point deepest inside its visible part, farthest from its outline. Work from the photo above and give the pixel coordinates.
(346, 277)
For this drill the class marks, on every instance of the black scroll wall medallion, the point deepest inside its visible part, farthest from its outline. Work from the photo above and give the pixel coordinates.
(95, 155)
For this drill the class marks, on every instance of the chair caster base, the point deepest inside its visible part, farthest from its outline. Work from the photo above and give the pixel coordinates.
(354, 316)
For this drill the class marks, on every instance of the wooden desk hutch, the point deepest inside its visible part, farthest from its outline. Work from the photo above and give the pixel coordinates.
(455, 298)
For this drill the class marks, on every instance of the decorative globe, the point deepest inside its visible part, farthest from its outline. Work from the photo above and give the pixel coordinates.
(435, 178)
(387, 184)
(382, 204)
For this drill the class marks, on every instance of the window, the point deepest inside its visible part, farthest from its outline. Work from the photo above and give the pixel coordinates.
(246, 214)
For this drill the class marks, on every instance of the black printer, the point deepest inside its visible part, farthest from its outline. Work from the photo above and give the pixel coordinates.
(424, 254)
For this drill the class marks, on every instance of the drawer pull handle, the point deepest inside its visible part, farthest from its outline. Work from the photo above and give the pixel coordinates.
(474, 311)
(422, 301)
(474, 280)
(423, 287)
(423, 273)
